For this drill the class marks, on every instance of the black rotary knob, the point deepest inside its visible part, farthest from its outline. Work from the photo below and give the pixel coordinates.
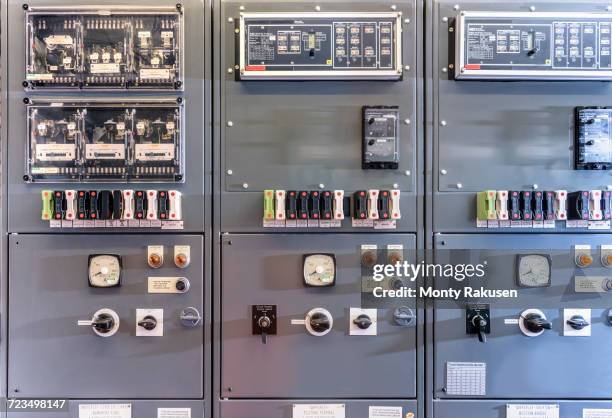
(362, 321)
(536, 322)
(180, 285)
(148, 322)
(103, 323)
(319, 322)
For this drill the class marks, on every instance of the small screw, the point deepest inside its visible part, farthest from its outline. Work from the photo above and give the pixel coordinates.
(444, 69)
(318, 8)
(393, 7)
(229, 388)
(395, 186)
(407, 121)
(407, 172)
(445, 19)
(229, 172)
(609, 187)
(236, 30)
(535, 187)
(459, 186)
(456, 7)
(406, 67)
(230, 123)
(609, 8)
(230, 70)
(451, 29)
(443, 172)
(245, 185)
(406, 20)
(532, 8)
(241, 8)
(443, 123)
(230, 19)
(321, 186)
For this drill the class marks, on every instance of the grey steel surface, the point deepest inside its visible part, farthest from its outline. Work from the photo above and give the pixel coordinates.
(267, 269)
(50, 356)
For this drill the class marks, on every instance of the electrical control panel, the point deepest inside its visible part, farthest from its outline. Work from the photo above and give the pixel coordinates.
(533, 45)
(320, 46)
(87, 47)
(102, 141)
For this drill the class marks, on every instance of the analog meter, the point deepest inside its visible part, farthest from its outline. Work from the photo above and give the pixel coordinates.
(104, 270)
(319, 270)
(533, 270)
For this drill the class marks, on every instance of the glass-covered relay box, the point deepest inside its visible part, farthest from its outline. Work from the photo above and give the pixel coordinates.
(115, 48)
(103, 141)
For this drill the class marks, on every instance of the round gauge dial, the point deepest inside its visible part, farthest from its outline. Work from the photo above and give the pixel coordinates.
(533, 270)
(104, 270)
(319, 270)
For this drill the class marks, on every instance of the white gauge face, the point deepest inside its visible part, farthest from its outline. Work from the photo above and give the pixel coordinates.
(319, 270)
(534, 271)
(104, 270)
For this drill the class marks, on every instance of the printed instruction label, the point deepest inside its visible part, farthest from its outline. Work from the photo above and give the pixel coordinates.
(319, 410)
(385, 412)
(173, 412)
(467, 379)
(105, 410)
(597, 413)
(532, 411)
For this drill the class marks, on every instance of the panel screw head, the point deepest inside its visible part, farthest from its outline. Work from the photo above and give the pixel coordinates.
(609, 8)
(459, 186)
(406, 67)
(444, 69)
(445, 19)
(456, 7)
(407, 172)
(443, 123)
(230, 19)
(230, 123)
(245, 185)
(535, 186)
(395, 186)
(532, 8)
(393, 7)
(318, 8)
(443, 172)
(406, 20)
(241, 8)
(229, 172)
(407, 121)
(609, 187)
(321, 186)
(230, 70)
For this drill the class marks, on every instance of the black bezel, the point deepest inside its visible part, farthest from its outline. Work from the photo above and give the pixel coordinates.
(333, 257)
(519, 257)
(118, 257)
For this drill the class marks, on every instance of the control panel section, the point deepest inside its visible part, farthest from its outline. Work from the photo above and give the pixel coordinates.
(117, 142)
(533, 45)
(114, 48)
(305, 46)
(380, 137)
(593, 142)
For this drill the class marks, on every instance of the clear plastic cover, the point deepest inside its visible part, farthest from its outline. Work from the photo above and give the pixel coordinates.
(118, 49)
(105, 142)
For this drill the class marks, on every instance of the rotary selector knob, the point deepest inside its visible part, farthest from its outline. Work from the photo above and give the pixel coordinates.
(190, 317)
(584, 260)
(578, 322)
(533, 322)
(264, 322)
(155, 260)
(104, 322)
(148, 322)
(404, 316)
(182, 284)
(368, 258)
(606, 284)
(319, 322)
(363, 321)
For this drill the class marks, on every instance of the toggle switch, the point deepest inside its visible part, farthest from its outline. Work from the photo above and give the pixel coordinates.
(478, 321)
(155, 256)
(104, 322)
(533, 322)
(182, 256)
(263, 321)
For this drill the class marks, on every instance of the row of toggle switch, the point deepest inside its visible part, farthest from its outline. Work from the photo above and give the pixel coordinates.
(557, 205)
(111, 204)
(331, 205)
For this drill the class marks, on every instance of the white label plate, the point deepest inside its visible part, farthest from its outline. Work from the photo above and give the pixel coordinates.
(467, 379)
(104, 68)
(318, 410)
(154, 152)
(173, 412)
(55, 152)
(105, 151)
(105, 410)
(597, 413)
(532, 411)
(385, 412)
